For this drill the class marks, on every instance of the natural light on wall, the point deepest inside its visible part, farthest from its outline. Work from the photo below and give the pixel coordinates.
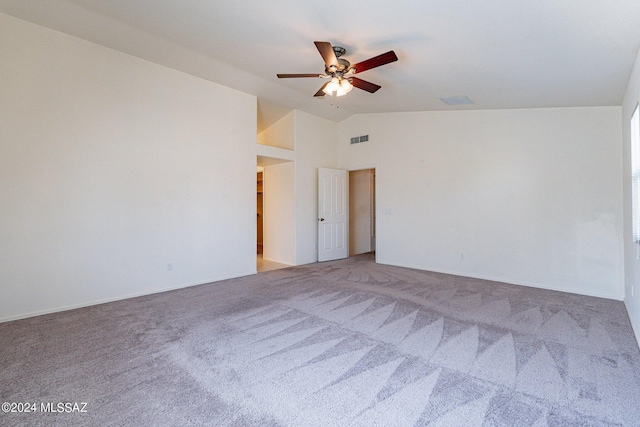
(635, 173)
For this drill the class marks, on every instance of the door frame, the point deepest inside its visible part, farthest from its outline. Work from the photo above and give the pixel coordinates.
(374, 207)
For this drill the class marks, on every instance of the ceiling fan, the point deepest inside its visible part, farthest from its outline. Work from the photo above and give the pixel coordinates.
(341, 72)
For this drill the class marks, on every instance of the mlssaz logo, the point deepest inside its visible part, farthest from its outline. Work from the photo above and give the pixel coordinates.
(63, 407)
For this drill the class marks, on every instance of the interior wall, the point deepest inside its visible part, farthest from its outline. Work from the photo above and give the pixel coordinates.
(280, 134)
(279, 213)
(631, 249)
(113, 183)
(530, 197)
(118, 177)
(280, 219)
(316, 146)
(360, 211)
(314, 141)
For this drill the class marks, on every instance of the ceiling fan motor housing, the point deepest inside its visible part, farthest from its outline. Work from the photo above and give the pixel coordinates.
(343, 66)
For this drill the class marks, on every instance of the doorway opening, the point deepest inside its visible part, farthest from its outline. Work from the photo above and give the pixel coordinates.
(362, 211)
(275, 209)
(260, 209)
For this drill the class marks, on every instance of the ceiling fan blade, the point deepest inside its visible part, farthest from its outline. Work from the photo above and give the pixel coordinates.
(329, 56)
(376, 61)
(364, 85)
(320, 93)
(295, 76)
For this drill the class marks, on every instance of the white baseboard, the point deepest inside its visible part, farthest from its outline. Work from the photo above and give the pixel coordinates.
(515, 282)
(117, 298)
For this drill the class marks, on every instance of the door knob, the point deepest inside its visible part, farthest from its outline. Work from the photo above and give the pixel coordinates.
(320, 219)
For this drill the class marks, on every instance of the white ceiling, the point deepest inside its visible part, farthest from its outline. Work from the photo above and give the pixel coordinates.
(499, 53)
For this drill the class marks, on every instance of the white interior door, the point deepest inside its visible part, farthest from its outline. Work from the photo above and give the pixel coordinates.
(332, 214)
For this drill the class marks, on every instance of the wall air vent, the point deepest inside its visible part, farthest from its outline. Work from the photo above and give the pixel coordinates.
(359, 139)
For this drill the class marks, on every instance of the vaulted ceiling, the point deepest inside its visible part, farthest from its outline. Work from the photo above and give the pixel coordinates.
(498, 53)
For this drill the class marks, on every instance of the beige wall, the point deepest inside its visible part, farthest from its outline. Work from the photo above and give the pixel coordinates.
(280, 134)
(316, 142)
(531, 197)
(280, 220)
(118, 177)
(113, 168)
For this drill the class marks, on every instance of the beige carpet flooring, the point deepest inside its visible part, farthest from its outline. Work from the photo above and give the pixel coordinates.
(346, 342)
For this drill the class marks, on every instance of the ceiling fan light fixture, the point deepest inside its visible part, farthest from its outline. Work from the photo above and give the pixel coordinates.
(332, 87)
(346, 86)
(338, 87)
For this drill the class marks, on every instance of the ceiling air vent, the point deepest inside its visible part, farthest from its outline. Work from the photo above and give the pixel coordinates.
(359, 139)
(457, 100)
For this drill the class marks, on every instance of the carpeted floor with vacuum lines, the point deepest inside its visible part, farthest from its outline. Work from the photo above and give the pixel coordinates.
(341, 343)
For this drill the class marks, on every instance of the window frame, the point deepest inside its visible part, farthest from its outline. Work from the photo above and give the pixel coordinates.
(635, 172)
